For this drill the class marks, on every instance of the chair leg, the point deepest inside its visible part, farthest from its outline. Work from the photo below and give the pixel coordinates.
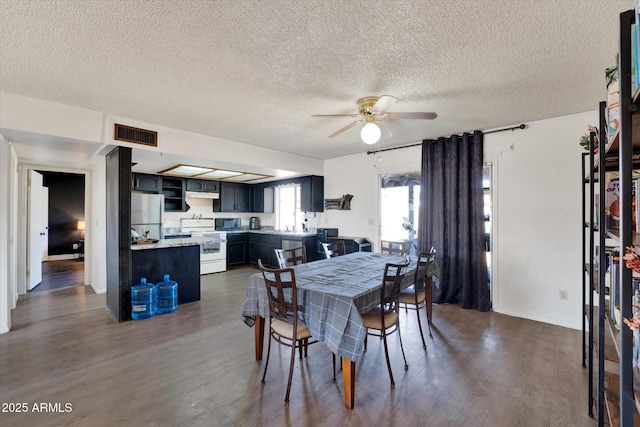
(293, 359)
(306, 346)
(366, 335)
(429, 302)
(406, 366)
(386, 354)
(333, 355)
(266, 362)
(424, 344)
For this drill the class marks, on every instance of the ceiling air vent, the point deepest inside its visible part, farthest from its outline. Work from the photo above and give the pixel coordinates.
(135, 135)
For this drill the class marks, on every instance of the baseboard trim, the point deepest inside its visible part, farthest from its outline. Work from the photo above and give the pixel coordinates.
(61, 257)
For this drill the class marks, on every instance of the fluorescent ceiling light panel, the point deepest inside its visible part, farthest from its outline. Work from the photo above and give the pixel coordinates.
(184, 170)
(245, 177)
(211, 173)
(221, 174)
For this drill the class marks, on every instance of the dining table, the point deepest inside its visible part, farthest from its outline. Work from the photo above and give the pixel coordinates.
(333, 294)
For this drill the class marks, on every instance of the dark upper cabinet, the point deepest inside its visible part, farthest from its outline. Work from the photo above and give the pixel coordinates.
(234, 198)
(269, 199)
(257, 198)
(145, 182)
(312, 194)
(262, 198)
(173, 190)
(203, 185)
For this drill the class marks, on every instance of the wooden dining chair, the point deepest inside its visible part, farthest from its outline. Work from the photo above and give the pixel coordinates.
(421, 293)
(395, 248)
(334, 249)
(384, 320)
(284, 325)
(291, 256)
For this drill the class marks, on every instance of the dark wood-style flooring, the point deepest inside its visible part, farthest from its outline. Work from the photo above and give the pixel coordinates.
(196, 367)
(61, 274)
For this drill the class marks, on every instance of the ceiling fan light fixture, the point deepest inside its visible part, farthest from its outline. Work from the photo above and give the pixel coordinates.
(370, 133)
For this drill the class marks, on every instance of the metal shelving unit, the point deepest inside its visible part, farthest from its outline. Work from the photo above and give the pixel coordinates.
(615, 398)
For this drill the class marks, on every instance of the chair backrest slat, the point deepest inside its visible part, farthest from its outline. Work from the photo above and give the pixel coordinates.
(291, 256)
(424, 259)
(334, 249)
(395, 248)
(391, 284)
(282, 293)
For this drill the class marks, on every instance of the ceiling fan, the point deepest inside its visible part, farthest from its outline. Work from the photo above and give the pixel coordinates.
(371, 112)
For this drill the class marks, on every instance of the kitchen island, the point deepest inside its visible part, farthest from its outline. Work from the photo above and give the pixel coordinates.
(179, 258)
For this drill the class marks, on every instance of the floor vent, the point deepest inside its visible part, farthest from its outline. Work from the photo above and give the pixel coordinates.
(136, 135)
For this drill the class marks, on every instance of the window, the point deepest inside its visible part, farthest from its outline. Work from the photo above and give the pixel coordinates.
(400, 208)
(288, 214)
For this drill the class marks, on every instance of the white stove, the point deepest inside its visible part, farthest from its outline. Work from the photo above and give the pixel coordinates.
(213, 244)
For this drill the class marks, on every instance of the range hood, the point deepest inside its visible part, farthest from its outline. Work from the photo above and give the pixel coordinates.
(201, 195)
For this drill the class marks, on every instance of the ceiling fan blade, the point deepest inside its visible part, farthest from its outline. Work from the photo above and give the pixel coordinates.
(344, 129)
(423, 116)
(383, 103)
(335, 115)
(385, 131)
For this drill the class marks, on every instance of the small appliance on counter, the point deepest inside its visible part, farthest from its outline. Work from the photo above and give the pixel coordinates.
(254, 223)
(228, 224)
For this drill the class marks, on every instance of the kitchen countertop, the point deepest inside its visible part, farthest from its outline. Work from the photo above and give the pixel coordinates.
(171, 243)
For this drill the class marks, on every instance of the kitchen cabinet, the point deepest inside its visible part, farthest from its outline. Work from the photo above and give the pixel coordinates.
(173, 190)
(234, 197)
(203, 185)
(146, 182)
(266, 249)
(236, 249)
(253, 242)
(262, 198)
(312, 194)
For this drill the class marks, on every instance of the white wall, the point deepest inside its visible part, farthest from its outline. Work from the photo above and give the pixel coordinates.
(537, 228)
(537, 198)
(96, 233)
(8, 251)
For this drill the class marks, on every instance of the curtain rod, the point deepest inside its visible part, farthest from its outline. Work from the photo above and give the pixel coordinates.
(522, 126)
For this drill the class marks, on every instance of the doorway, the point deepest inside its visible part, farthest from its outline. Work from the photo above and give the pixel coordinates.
(64, 229)
(400, 208)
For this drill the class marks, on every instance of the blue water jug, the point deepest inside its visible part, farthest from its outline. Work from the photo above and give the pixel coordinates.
(167, 296)
(143, 300)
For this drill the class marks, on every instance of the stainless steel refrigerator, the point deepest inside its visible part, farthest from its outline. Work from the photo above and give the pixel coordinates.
(147, 212)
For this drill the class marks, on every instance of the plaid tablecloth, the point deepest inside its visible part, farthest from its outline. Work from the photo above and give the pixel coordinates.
(332, 295)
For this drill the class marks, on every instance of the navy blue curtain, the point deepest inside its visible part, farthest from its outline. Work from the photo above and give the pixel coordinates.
(452, 218)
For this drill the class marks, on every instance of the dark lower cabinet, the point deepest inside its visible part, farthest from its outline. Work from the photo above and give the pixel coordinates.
(243, 248)
(254, 248)
(267, 245)
(236, 249)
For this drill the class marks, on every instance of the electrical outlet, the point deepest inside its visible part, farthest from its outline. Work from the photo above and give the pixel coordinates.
(563, 294)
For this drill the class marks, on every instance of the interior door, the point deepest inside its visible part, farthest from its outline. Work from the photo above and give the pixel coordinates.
(38, 219)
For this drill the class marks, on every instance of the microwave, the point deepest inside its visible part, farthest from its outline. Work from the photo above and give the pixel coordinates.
(228, 224)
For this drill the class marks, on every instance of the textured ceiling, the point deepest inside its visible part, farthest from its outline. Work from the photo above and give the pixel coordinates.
(255, 71)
